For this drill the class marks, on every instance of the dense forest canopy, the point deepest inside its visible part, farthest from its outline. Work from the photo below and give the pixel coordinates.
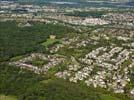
(16, 40)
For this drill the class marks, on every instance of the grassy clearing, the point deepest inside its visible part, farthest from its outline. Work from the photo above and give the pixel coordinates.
(50, 42)
(108, 97)
(4, 97)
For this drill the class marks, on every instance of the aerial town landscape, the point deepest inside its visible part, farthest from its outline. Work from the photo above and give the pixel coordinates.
(66, 50)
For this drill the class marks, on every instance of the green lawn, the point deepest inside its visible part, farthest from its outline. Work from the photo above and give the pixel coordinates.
(108, 97)
(50, 42)
(3, 97)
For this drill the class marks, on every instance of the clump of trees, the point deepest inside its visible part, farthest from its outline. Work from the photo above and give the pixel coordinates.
(16, 40)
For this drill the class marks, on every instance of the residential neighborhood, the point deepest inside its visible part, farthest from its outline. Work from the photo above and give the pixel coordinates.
(66, 49)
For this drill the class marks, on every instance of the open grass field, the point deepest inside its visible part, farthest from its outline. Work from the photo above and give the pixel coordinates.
(50, 42)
